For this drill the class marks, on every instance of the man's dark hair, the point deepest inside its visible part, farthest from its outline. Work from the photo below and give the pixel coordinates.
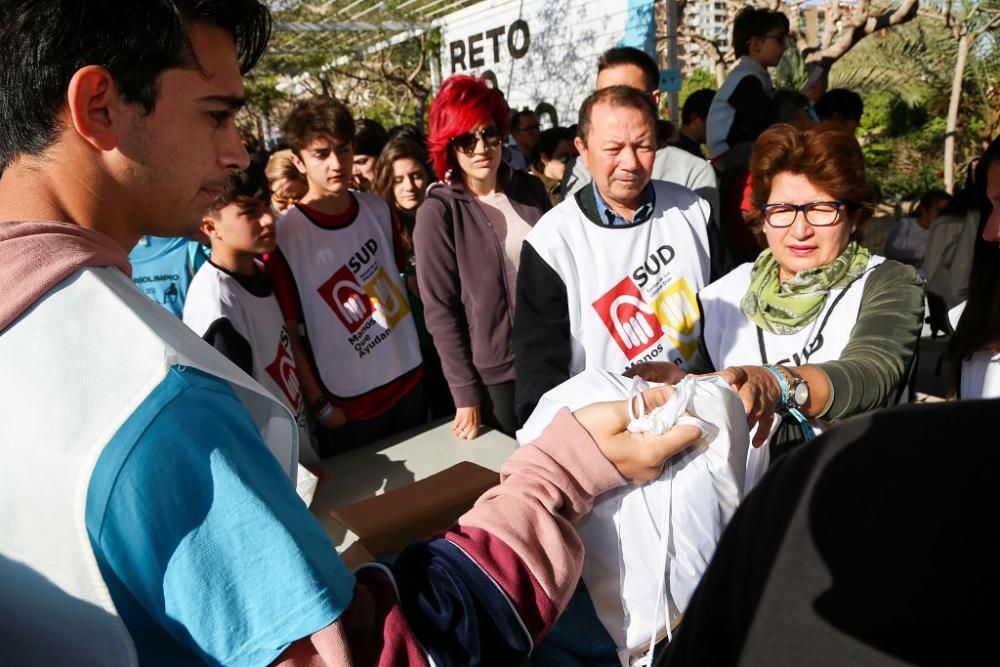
(317, 117)
(369, 137)
(697, 105)
(515, 120)
(627, 55)
(45, 42)
(616, 96)
(548, 141)
(841, 101)
(251, 183)
(755, 22)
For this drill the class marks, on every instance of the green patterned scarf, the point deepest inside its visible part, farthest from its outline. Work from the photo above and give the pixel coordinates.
(785, 308)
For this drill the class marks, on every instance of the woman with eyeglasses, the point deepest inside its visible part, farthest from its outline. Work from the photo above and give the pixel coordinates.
(817, 328)
(549, 158)
(287, 185)
(467, 242)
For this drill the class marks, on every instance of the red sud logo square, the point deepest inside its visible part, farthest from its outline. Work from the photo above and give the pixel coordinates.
(631, 321)
(282, 371)
(347, 298)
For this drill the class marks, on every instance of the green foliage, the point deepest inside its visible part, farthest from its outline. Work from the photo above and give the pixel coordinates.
(698, 78)
(790, 74)
(905, 78)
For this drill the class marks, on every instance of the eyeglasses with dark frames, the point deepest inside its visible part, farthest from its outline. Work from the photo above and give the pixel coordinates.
(816, 213)
(466, 143)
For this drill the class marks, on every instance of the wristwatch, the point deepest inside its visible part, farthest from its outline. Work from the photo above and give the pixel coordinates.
(798, 391)
(795, 389)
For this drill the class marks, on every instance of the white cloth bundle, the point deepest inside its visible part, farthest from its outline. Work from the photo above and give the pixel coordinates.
(627, 553)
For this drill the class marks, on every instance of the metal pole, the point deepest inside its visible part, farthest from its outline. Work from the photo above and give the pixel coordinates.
(673, 98)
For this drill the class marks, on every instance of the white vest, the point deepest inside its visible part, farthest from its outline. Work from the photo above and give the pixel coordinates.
(75, 367)
(213, 295)
(731, 339)
(359, 324)
(630, 290)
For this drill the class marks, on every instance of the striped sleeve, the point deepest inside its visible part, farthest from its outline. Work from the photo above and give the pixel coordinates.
(512, 562)
(489, 589)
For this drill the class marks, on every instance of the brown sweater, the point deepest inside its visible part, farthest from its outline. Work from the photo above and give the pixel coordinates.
(461, 275)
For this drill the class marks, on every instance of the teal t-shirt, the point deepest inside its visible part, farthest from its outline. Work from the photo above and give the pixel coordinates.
(162, 269)
(207, 551)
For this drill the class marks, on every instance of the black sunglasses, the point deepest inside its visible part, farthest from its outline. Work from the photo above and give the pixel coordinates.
(466, 143)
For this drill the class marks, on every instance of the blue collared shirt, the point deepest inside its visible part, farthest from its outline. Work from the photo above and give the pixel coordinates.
(642, 214)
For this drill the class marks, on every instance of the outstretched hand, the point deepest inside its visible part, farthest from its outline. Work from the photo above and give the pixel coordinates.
(760, 393)
(639, 457)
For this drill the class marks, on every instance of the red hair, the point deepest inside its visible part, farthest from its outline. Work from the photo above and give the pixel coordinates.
(462, 103)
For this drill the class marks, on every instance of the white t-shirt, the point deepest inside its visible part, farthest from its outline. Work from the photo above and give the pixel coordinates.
(981, 371)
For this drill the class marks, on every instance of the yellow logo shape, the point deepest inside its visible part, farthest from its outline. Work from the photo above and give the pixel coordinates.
(677, 310)
(387, 299)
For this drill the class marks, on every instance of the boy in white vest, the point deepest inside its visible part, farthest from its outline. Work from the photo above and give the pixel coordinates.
(336, 275)
(608, 278)
(231, 304)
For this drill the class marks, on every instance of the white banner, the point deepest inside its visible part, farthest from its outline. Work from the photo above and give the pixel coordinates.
(538, 51)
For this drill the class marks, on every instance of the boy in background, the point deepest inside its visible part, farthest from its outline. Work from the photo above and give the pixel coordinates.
(231, 304)
(744, 105)
(336, 275)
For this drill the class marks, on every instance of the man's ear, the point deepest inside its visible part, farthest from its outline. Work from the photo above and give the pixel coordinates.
(581, 148)
(299, 164)
(95, 107)
(656, 95)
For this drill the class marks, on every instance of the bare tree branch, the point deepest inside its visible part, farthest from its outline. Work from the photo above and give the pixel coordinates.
(861, 24)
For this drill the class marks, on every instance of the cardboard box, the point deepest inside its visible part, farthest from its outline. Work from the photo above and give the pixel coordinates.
(387, 523)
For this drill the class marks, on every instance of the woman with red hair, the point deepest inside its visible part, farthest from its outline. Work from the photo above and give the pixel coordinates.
(467, 242)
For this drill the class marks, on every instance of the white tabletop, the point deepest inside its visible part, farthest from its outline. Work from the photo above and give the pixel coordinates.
(397, 461)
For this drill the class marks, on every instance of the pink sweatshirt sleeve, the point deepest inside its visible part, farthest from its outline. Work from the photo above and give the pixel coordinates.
(521, 531)
(520, 537)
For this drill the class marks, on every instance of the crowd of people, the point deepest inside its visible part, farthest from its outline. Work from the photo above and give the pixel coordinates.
(359, 282)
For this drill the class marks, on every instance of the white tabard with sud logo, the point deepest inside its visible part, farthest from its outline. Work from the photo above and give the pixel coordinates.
(630, 290)
(731, 339)
(353, 299)
(215, 295)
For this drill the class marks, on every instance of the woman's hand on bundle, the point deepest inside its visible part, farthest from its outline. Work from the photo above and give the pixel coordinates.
(761, 394)
(467, 422)
(663, 372)
(639, 457)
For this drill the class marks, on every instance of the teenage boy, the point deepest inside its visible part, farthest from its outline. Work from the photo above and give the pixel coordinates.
(335, 273)
(231, 304)
(744, 105)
